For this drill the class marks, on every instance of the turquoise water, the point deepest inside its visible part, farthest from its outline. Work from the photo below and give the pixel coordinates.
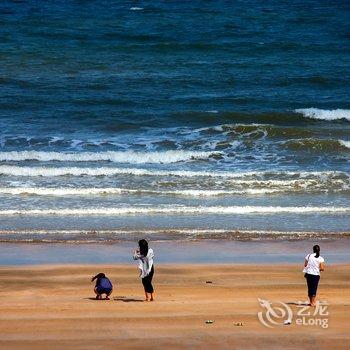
(173, 117)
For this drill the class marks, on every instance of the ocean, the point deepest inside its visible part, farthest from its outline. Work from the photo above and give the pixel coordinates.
(174, 120)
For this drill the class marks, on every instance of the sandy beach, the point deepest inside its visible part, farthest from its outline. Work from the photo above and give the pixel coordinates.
(51, 307)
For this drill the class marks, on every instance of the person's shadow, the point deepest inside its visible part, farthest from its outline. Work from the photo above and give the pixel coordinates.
(127, 300)
(120, 298)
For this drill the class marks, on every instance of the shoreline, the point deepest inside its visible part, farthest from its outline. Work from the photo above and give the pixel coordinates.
(175, 252)
(51, 307)
(166, 234)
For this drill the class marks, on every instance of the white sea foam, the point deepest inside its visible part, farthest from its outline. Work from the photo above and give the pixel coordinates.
(173, 210)
(66, 191)
(115, 235)
(324, 114)
(344, 143)
(101, 171)
(14, 170)
(154, 231)
(136, 8)
(45, 191)
(98, 236)
(112, 156)
(236, 187)
(214, 193)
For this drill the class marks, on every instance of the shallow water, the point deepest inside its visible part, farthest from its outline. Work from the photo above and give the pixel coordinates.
(202, 252)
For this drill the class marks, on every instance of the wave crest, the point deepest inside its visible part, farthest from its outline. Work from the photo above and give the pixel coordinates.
(235, 187)
(103, 236)
(14, 170)
(173, 210)
(324, 114)
(164, 157)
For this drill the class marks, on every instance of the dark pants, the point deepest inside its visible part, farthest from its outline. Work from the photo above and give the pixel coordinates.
(312, 284)
(101, 290)
(147, 282)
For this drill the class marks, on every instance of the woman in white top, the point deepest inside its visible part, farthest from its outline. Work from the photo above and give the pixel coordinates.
(145, 256)
(314, 263)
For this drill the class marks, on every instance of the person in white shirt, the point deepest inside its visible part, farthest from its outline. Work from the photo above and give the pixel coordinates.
(313, 265)
(145, 256)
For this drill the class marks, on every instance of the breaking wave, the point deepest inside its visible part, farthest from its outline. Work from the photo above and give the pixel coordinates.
(237, 187)
(105, 171)
(184, 210)
(344, 143)
(110, 236)
(111, 156)
(324, 114)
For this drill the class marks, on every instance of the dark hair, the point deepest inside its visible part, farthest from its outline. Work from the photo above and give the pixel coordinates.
(143, 244)
(316, 249)
(98, 277)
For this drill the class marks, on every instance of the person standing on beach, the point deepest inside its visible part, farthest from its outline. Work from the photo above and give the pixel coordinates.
(313, 265)
(145, 256)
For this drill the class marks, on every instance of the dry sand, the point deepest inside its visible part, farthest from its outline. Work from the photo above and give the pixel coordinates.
(50, 307)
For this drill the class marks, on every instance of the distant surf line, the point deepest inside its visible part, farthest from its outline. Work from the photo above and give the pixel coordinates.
(14, 170)
(176, 234)
(173, 210)
(133, 157)
(244, 188)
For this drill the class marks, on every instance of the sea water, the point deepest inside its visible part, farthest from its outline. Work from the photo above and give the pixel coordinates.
(173, 119)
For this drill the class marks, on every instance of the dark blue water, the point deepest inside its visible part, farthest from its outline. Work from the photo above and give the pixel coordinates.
(167, 114)
(100, 59)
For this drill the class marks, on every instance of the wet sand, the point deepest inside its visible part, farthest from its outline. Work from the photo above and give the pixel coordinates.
(50, 307)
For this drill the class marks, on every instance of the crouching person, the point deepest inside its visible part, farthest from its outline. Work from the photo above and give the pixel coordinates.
(103, 286)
